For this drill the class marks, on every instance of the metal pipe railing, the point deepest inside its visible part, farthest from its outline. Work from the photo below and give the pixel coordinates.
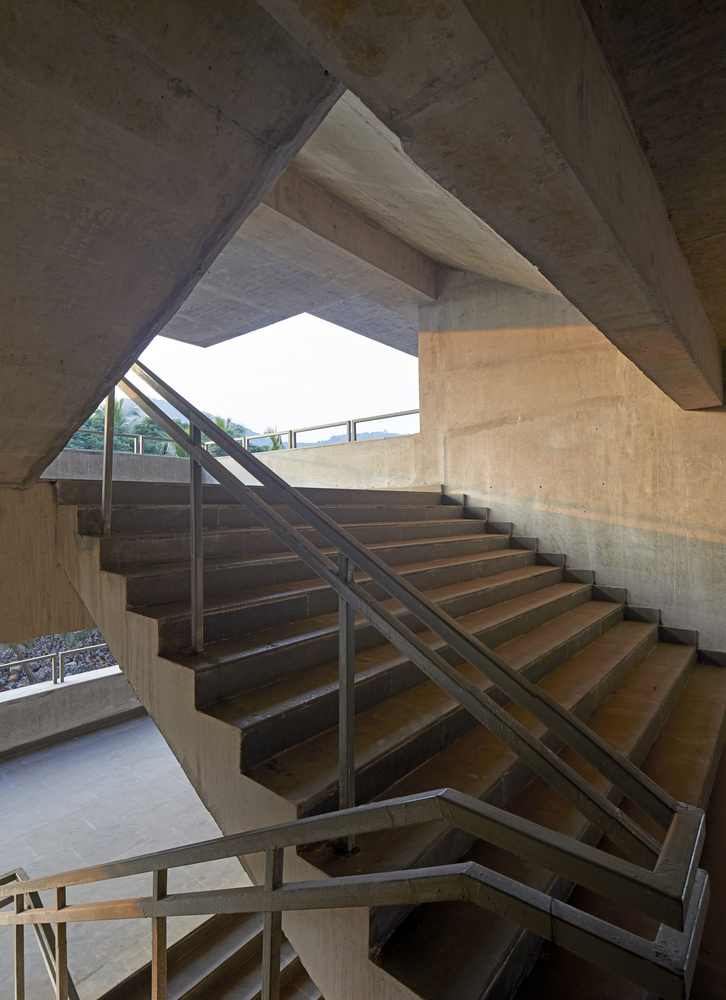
(645, 961)
(56, 660)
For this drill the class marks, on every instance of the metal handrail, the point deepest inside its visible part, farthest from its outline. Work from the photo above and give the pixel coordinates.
(641, 959)
(681, 847)
(624, 775)
(44, 935)
(58, 670)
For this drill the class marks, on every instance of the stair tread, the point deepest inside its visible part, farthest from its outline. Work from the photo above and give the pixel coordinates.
(301, 772)
(457, 965)
(278, 699)
(245, 983)
(477, 761)
(683, 760)
(468, 533)
(312, 583)
(223, 602)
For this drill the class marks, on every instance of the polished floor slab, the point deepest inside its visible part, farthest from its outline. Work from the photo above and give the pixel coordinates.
(113, 793)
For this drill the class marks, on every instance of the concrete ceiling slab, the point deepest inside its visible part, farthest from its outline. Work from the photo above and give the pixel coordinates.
(518, 116)
(137, 137)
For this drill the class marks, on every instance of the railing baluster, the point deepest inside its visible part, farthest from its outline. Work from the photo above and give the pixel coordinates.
(107, 485)
(346, 697)
(19, 951)
(272, 928)
(61, 948)
(197, 545)
(158, 941)
(55, 667)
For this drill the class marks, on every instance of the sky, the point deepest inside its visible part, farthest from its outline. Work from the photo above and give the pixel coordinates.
(292, 374)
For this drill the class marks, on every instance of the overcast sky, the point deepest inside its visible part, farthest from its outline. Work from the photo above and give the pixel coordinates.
(298, 372)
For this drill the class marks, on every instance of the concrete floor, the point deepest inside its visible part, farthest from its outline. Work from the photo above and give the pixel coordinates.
(113, 793)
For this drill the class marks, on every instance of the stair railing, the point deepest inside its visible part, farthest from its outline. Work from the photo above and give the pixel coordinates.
(683, 825)
(664, 965)
(52, 946)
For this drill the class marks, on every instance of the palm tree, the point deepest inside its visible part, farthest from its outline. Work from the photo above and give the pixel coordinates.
(275, 438)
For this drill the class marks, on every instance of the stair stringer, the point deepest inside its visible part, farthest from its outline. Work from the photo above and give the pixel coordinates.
(333, 945)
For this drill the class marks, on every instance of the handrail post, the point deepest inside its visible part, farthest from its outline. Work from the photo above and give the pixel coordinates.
(289, 440)
(55, 667)
(158, 941)
(346, 698)
(272, 928)
(197, 544)
(61, 667)
(353, 431)
(61, 948)
(107, 484)
(19, 950)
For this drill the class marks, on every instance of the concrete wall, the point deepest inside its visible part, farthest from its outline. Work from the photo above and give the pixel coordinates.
(37, 596)
(376, 464)
(525, 404)
(39, 712)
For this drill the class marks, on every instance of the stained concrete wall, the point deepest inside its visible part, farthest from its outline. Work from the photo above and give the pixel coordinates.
(525, 404)
(37, 596)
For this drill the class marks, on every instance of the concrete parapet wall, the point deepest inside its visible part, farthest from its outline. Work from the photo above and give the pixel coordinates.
(381, 463)
(39, 712)
(76, 463)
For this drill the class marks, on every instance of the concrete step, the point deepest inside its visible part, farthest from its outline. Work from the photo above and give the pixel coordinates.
(246, 982)
(232, 615)
(228, 618)
(264, 575)
(238, 665)
(407, 731)
(289, 711)
(78, 492)
(493, 956)
(684, 760)
(135, 549)
(146, 519)
(479, 765)
(201, 960)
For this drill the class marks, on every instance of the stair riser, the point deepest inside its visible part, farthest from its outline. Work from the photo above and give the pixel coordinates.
(524, 946)
(174, 635)
(120, 552)
(277, 733)
(130, 520)
(89, 493)
(174, 586)
(228, 679)
(451, 844)
(373, 779)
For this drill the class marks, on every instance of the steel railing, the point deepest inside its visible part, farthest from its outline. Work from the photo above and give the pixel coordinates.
(57, 660)
(664, 965)
(351, 433)
(679, 850)
(52, 947)
(351, 430)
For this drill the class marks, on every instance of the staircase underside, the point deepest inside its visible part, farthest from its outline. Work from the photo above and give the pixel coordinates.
(253, 719)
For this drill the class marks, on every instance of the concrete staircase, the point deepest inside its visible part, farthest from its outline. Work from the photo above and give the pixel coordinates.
(220, 960)
(253, 719)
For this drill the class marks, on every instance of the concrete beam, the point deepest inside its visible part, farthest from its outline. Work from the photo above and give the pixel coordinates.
(137, 137)
(311, 206)
(513, 108)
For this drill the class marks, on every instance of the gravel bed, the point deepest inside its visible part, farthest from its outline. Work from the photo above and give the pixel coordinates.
(15, 676)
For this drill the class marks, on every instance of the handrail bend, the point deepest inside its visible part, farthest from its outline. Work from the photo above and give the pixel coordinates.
(640, 959)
